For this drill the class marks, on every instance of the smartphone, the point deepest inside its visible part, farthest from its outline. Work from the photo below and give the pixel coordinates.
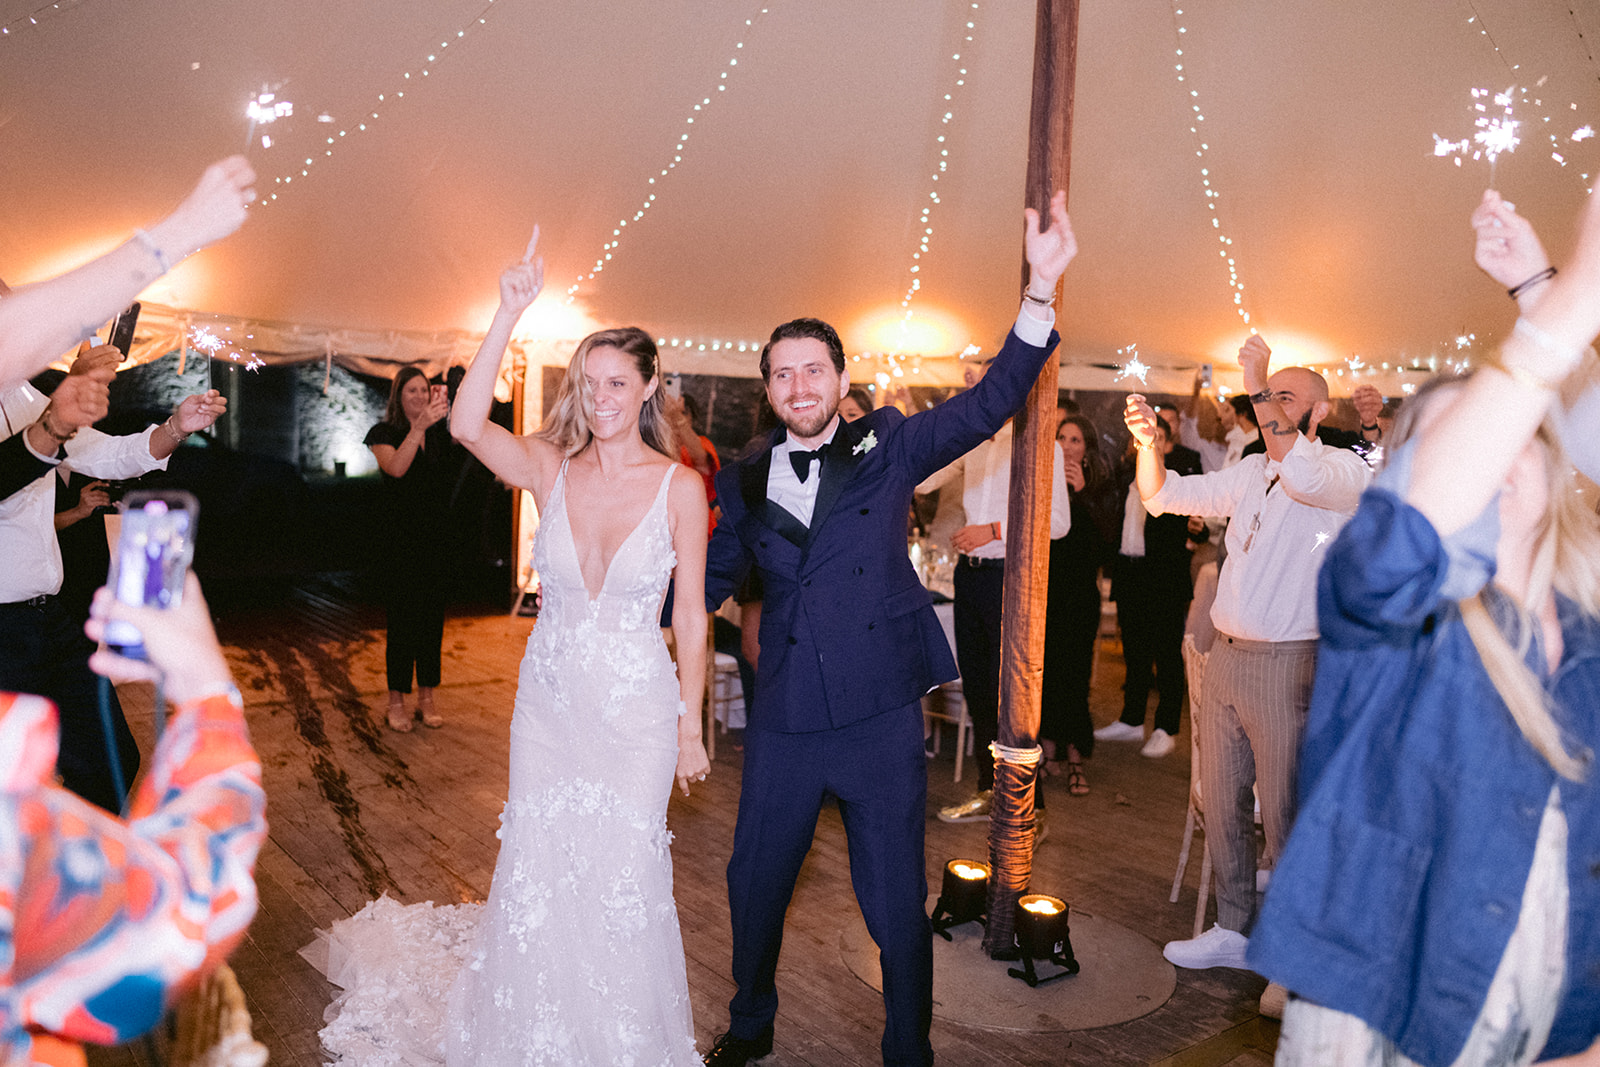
(151, 560)
(122, 330)
(1205, 376)
(672, 384)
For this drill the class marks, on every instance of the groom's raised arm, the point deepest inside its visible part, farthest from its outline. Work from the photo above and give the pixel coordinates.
(932, 439)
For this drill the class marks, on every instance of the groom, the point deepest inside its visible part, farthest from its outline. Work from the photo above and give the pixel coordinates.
(849, 644)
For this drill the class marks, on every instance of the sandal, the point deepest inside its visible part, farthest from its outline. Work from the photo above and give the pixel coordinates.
(399, 721)
(430, 715)
(1077, 784)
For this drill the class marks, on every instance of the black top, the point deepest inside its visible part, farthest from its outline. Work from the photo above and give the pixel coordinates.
(419, 500)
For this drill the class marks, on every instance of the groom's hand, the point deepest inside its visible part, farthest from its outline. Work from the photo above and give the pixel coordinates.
(1049, 251)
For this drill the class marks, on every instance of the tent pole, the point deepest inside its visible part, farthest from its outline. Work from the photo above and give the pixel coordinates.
(1028, 516)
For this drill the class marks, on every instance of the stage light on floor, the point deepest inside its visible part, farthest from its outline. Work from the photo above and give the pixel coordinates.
(1042, 933)
(963, 897)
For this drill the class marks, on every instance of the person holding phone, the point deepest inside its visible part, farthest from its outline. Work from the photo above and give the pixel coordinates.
(411, 445)
(152, 899)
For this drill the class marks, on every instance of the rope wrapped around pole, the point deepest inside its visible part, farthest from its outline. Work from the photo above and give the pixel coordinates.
(1011, 822)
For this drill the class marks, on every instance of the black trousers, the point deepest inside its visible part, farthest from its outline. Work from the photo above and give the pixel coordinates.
(1072, 624)
(43, 650)
(1152, 646)
(980, 601)
(416, 630)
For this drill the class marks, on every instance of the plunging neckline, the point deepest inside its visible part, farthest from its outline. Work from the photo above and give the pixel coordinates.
(572, 537)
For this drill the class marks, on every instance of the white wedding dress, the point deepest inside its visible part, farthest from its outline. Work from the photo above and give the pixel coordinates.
(576, 959)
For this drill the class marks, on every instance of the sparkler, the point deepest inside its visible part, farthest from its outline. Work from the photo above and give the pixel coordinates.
(1495, 133)
(1322, 539)
(1133, 366)
(264, 109)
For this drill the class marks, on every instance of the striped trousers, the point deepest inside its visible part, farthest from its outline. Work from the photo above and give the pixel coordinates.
(1252, 715)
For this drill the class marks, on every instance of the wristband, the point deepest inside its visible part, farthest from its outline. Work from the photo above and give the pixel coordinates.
(1041, 301)
(154, 249)
(1544, 275)
(44, 424)
(177, 437)
(994, 528)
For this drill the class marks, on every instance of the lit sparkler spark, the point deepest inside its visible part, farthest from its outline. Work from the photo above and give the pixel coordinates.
(1133, 366)
(1465, 341)
(1322, 539)
(205, 340)
(1583, 133)
(1355, 363)
(970, 351)
(264, 109)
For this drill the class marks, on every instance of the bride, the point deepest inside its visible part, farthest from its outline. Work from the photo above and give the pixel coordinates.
(577, 957)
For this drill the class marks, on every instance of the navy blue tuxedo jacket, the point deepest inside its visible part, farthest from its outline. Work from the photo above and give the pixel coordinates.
(847, 630)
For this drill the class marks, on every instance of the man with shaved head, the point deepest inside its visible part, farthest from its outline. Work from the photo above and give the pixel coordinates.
(1285, 506)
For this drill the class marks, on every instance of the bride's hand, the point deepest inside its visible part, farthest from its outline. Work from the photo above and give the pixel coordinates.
(693, 765)
(520, 285)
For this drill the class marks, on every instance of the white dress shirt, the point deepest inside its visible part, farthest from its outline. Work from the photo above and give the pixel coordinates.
(784, 487)
(799, 498)
(27, 517)
(986, 490)
(1282, 517)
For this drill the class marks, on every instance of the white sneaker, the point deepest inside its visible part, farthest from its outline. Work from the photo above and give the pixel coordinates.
(1160, 744)
(1119, 731)
(1217, 947)
(1273, 1000)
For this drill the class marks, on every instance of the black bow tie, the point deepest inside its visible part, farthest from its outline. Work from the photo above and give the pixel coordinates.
(802, 462)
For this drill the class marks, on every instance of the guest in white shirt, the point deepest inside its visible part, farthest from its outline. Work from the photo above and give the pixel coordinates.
(985, 475)
(1284, 507)
(42, 646)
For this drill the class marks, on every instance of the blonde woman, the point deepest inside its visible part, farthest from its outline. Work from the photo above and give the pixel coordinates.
(1439, 900)
(577, 958)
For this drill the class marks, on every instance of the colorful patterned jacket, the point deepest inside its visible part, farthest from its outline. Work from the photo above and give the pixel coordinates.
(101, 918)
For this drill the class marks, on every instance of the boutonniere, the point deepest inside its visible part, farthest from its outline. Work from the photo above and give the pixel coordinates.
(866, 444)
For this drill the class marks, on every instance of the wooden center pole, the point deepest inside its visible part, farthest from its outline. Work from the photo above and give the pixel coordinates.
(1028, 516)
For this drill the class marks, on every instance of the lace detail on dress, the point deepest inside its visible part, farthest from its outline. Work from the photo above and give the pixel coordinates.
(578, 959)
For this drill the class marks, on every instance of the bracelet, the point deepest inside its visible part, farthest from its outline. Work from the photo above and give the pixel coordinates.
(1544, 275)
(44, 424)
(994, 528)
(177, 437)
(154, 249)
(1027, 295)
(1143, 447)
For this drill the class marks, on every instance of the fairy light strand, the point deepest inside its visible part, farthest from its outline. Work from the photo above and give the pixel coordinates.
(925, 220)
(1203, 147)
(612, 245)
(387, 98)
(32, 18)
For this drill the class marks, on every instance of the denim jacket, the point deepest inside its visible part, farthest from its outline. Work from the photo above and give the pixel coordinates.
(1420, 804)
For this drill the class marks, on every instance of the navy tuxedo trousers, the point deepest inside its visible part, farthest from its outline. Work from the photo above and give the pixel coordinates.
(878, 773)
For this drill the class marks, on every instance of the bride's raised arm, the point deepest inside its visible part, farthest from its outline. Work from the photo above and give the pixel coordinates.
(520, 461)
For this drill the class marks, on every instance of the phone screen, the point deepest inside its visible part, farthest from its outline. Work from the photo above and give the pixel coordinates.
(152, 557)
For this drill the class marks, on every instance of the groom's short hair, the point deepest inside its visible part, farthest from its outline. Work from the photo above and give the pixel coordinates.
(795, 329)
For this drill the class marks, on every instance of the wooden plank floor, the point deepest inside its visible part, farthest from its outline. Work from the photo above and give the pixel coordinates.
(357, 810)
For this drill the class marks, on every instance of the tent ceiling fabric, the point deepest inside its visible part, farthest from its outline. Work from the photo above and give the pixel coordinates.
(801, 186)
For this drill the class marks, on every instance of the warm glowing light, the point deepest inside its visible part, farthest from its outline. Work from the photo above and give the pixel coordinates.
(934, 331)
(1289, 349)
(963, 870)
(548, 320)
(1041, 907)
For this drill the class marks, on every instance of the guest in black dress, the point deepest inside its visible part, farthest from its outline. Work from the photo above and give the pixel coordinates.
(1072, 614)
(412, 445)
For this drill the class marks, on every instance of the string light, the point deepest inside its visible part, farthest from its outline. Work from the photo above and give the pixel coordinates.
(942, 143)
(609, 248)
(716, 345)
(1212, 195)
(387, 98)
(32, 18)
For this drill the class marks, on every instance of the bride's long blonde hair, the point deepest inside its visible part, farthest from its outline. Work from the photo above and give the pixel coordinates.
(1566, 561)
(570, 424)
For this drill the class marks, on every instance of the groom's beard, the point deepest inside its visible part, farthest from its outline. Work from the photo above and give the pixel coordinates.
(810, 423)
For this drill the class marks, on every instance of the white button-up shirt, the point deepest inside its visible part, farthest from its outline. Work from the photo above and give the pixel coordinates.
(985, 474)
(1283, 516)
(27, 517)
